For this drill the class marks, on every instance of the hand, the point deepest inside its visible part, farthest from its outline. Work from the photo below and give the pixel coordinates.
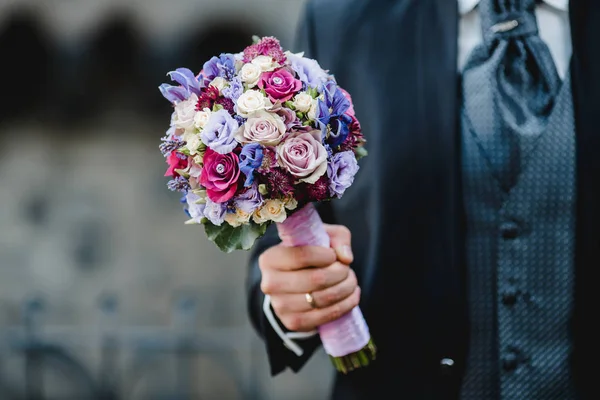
(289, 273)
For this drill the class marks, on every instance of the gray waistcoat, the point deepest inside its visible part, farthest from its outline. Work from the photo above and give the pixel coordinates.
(520, 260)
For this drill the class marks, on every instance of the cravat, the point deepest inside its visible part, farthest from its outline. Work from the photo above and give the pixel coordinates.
(509, 87)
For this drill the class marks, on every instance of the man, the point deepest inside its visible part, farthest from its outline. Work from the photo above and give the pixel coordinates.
(475, 219)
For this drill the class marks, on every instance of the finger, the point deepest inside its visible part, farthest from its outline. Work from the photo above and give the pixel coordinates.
(340, 239)
(303, 281)
(308, 321)
(295, 303)
(294, 258)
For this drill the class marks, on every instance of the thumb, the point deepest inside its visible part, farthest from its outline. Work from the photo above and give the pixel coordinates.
(340, 240)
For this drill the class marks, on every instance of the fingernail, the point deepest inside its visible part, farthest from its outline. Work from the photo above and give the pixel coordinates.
(347, 252)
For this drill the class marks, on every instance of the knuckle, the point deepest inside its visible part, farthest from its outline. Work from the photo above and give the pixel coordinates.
(355, 298)
(331, 296)
(266, 284)
(318, 278)
(344, 231)
(263, 260)
(335, 313)
(292, 322)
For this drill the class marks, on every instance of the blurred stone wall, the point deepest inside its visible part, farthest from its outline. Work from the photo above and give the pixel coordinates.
(103, 290)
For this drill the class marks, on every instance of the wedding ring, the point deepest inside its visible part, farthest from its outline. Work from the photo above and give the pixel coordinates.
(310, 300)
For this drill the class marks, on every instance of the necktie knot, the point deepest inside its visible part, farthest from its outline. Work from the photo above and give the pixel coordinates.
(502, 20)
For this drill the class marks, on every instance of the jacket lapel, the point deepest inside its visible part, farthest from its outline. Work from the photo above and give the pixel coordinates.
(585, 27)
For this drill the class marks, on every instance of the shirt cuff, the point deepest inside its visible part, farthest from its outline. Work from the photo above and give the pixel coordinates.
(286, 337)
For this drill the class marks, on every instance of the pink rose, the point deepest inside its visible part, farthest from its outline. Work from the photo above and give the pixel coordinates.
(304, 156)
(220, 175)
(262, 127)
(350, 110)
(280, 85)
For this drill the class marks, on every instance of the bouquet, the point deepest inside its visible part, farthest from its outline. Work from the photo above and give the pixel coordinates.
(257, 138)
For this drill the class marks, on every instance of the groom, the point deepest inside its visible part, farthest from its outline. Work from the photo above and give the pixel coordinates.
(475, 219)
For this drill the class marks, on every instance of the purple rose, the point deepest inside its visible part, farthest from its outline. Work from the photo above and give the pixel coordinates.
(195, 210)
(215, 212)
(309, 71)
(251, 158)
(341, 171)
(280, 85)
(219, 132)
(303, 156)
(250, 200)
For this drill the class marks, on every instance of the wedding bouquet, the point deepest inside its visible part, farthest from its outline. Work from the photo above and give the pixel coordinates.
(257, 138)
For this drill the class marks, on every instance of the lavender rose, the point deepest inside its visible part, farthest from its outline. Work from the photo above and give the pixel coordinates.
(195, 209)
(215, 212)
(303, 156)
(309, 71)
(262, 127)
(218, 133)
(341, 171)
(250, 200)
(279, 85)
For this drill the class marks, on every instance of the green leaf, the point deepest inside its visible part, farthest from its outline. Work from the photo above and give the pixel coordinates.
(313, 92)
(227, 238)
(360, 152)
(217, 107)
(290, 105)
(255, 39)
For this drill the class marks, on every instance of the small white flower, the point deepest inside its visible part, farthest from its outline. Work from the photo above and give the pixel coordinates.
(250, 73)
(220, 83)
(201, 118)
(252, 101)
(193, 142)
(312, 112)
(239, 217)
(265, 63)
(272, 210)
(303, 102)
(185, 112)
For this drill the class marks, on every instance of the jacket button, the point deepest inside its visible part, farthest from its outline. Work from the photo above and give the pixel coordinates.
(509, 230)
(446, 364)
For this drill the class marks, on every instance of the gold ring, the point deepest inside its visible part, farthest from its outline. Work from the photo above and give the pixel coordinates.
(310, 300)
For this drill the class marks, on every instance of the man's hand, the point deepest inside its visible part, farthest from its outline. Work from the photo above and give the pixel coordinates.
(290, 273)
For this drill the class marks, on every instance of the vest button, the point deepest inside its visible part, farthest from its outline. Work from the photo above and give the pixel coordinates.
(509, 296)
(509, 230)
(510, 362)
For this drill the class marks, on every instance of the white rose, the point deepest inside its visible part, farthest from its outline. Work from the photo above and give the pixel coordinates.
(250, 73)
(303, 102)
(239, 217)
(252, 101)
(220, 83)
(291, 203)
(272, 210)
(265, 63)
(201, 118)
(185, 113)
(193, 141)
(312, 113)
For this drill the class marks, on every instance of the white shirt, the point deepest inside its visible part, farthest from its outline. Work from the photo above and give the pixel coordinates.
(553, 25)
(554, 29)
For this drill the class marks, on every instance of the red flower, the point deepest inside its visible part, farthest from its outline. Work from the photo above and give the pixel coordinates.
(207, 98)
(176, 161)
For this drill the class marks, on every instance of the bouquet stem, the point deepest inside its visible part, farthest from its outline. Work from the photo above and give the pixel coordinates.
(347, 340)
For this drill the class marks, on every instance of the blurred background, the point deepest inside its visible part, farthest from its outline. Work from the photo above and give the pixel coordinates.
(104, 292)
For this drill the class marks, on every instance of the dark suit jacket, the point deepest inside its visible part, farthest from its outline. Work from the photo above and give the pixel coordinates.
(399, 60)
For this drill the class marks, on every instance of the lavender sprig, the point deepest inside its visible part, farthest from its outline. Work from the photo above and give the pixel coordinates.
(179, 184)
(170, 144)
